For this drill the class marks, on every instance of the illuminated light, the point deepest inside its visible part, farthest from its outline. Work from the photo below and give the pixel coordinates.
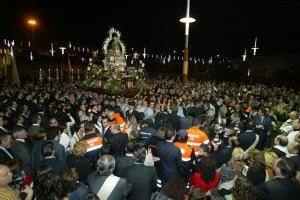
(187, 20)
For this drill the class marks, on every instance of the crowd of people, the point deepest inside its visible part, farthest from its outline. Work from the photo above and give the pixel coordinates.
(206, 140)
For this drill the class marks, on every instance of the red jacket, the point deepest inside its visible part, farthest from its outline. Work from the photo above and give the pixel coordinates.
(197, 182)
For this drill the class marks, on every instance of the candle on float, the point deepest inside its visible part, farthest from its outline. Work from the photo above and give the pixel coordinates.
(57, 74)
(144, 54)
(244, 56)
(49, 71)
(40, 72)
(255, 41)
(31, 56)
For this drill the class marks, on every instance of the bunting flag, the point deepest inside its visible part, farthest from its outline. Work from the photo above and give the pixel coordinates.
(2, 60)
(69, 67)
(7, 62)
(15, 78)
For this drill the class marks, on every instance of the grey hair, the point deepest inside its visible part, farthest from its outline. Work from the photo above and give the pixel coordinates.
(106, 165)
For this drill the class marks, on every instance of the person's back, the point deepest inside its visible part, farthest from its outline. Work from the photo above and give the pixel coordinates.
(48, 151)
(36, 150)
(283, 185)
(106, 185)
(147, 130)
(143, 178)
(196, 136)
(208, 177)
(118, 141)
(281, 188)
(80, 193)
(73, 189)
(170, 159)
(186, 122)
(96, 181)
(188, 154)
(49, 182)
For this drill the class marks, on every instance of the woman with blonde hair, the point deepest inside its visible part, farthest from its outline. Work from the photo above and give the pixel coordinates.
(270, 159)
(77, 160)
(234, 167)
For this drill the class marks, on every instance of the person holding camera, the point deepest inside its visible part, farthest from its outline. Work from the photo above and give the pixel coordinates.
(9, 193)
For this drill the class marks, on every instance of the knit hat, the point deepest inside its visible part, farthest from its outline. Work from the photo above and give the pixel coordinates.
(182, 133)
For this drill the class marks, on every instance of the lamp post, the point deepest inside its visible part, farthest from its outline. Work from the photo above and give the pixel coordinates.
(32, 23)
(187, 20)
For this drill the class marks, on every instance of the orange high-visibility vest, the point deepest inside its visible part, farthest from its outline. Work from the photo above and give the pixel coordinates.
(93, 143)
(119, 120)
(185, 149)
(195, 138)
(249, 108)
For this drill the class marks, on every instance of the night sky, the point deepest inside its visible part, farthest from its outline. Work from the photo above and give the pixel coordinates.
(224, 27)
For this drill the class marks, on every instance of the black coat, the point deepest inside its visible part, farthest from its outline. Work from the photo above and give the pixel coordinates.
(37, 153)
(58, 166)
(118, 142)
(142, 185)
(22, 151)
(121, 163)
(247, 138)
(83, 166)
(222, 156)
(170, 161)
(279, 189)
(4, 157)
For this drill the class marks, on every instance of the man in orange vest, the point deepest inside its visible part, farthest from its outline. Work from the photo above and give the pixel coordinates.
(93, 141)
(197, 136)
(116, 118)
(187, 152)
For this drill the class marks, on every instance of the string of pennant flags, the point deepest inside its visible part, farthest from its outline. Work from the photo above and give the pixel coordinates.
(79, 49)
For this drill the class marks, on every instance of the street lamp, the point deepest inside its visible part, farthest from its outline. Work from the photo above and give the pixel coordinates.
(187, 20)
(32, 23)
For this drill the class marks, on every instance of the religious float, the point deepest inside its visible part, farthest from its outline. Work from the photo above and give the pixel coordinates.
(112, 73)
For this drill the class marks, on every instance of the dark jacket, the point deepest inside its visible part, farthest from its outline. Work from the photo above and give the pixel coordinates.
(120, 191)
(58, 166)
(170, 161)
(279, 189)
(83, 166)
(118, 142)
(121, 163)
(142, 185)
